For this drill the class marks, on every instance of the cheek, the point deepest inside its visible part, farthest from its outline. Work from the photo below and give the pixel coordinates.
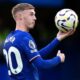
(28, 19)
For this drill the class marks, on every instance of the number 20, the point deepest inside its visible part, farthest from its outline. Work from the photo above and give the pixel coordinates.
(16, 52)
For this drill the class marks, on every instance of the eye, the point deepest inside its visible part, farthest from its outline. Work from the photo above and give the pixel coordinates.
(32, 14)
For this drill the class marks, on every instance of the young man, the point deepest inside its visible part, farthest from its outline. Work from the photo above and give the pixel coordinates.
(22, 57)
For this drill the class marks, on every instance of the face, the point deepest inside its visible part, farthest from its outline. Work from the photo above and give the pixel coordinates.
(29, 18)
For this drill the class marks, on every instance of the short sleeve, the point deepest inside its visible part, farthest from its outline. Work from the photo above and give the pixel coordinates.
(30, 49)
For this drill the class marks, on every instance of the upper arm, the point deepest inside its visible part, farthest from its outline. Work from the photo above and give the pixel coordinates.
(30, 49)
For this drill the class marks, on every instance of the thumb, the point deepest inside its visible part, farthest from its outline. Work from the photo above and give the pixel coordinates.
(59, 51)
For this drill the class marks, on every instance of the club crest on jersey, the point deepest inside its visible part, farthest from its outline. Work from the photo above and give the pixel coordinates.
(32, 46)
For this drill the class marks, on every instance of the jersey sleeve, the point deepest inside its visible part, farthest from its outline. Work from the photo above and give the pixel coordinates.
(30, 49)
(33, 55)
(47, 49)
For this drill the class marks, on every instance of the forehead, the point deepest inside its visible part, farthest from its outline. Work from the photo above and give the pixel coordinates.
(29, 11)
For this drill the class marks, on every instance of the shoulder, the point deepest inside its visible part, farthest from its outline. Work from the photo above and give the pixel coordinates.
(23, 34)
(29, 42)
(24, 37)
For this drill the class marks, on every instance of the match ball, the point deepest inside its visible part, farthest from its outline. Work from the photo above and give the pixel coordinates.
(66, 19)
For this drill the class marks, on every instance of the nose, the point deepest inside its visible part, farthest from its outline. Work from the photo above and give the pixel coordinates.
(35, 18)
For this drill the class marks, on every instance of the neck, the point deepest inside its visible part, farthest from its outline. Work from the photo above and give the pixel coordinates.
(22, 27)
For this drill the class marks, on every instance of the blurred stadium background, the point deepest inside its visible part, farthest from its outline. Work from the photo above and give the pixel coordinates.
(44, 31)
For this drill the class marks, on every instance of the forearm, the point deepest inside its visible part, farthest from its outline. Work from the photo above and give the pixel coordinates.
(45, 64)
(47, 50)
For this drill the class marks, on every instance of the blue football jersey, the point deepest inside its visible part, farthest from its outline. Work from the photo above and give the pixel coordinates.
(19, 50)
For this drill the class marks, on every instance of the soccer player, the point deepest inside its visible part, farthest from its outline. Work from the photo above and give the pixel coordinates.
(20, 50)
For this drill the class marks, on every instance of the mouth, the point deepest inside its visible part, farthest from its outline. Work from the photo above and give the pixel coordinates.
(33, 22)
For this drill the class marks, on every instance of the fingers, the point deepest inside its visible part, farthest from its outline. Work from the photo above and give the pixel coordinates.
(71, 32)
(62, 35)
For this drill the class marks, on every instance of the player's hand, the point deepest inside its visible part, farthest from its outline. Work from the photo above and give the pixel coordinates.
(61, 55)
(63, 35)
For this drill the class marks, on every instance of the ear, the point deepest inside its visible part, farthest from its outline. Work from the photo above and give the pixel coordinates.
(19, 16)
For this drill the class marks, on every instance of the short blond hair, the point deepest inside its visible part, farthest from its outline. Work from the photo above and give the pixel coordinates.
(21, 7)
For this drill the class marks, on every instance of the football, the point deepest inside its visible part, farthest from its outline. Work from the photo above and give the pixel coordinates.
(66, 19)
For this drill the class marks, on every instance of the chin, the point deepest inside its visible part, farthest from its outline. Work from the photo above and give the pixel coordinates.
(32, 26)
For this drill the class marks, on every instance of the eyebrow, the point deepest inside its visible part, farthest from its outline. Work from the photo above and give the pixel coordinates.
(33, 12)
